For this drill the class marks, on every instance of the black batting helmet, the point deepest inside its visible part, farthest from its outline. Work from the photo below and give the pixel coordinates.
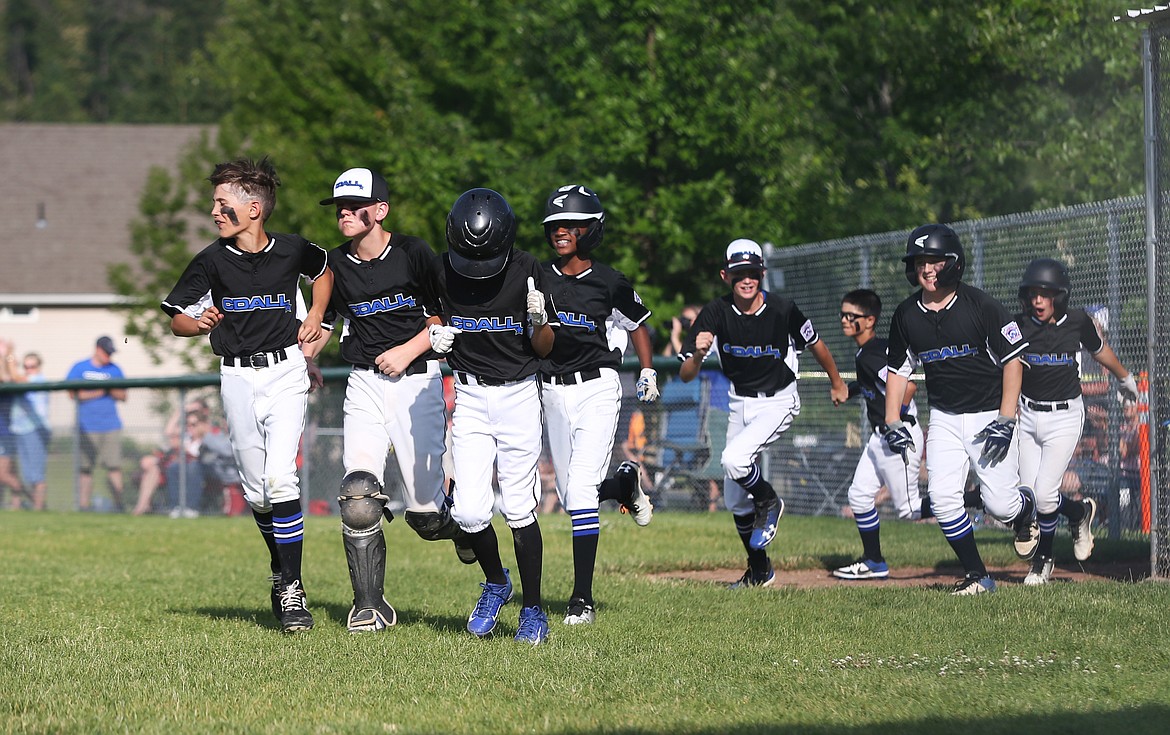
(481, 229)
(575, 203)
(1046, 273)
(940, 241)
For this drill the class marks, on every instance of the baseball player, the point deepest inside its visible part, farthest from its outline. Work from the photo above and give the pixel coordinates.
(384, 292)
(496, 332)
(969, 347)
(878, 466)
(757, 336)
(242, 290)
(1052, 411)
(580, 390)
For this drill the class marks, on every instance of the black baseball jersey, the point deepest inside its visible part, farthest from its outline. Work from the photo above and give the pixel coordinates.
(961, 348)
(384, 302)
(493, 316)
(871, 361)
(256, 292)
(755, 350)
(584, 303)
(1053, 354)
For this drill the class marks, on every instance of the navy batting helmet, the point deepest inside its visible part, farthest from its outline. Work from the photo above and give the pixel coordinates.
(1046, 273)
(575, 203)
(940, 241)
(481, 229)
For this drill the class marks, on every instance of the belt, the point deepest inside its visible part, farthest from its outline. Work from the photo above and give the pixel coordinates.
(572, 378)
(1037, 406)
(761, 394)
(414, 369)
(469, 379)
(259, 360)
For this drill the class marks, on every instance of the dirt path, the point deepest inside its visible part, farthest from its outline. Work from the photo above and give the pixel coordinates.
(1134, 571)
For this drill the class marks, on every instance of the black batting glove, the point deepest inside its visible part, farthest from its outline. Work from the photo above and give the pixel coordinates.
(997, 439)
(898, 439)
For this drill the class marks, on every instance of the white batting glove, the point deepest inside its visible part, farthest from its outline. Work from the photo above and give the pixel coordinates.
(648, 385)
(536, 313)
(1128, 391)
(442, 337)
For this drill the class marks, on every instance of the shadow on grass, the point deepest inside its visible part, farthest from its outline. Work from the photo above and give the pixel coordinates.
(334, 612)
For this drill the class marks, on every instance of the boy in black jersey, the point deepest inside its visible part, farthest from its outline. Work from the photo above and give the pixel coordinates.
(969, 348)
(242, 290)
(1052, 411)
(757, 336)
(878, 466)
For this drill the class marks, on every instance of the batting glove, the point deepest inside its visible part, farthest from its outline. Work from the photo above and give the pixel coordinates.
(536, 313)
(442, 337)
(898, 439)
(1128, 392)
(648, 385)
(997, 439)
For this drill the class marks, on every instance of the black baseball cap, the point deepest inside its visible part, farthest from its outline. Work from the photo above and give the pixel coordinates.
(360, 185)
(106, 345)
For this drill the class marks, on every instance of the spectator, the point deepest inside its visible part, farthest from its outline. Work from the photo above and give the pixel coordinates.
(679, 327)
(8, 477)
(153, 467)
(98, 423)
(185, 474)
(30, 425)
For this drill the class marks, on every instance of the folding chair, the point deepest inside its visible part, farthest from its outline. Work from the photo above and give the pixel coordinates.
(681, 447)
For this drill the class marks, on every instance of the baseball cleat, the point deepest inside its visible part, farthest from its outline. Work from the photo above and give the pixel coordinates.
(751, 579)
(863, 569)
(274, 596)
(533, 626)
(974, 584)
(371, 619)
(1082, 532)
(768, 514)
(1041, 571)
(294, 609)
(1026, 528)
(580, 613)
(635, 502)
(482, 619)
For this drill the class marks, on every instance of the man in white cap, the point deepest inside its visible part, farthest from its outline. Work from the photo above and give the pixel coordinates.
(757, 336)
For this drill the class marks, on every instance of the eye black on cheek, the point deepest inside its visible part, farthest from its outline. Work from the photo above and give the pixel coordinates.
(230, 214)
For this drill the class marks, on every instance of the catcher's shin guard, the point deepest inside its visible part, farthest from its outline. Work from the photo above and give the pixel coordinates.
(365, 545)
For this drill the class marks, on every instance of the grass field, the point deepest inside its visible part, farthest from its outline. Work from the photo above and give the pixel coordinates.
(120, 624)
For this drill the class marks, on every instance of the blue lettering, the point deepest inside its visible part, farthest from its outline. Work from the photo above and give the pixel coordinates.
(1036, 360)
(946, 353)
(385, 303)
(487, 324)
(256, 303)
(753, 351)
(573, 319)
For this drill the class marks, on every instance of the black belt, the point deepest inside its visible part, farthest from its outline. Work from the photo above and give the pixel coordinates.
(469, 379)
(761, 394)
(572, 378)
(414, 369)
(1063, 405)
(259, 360)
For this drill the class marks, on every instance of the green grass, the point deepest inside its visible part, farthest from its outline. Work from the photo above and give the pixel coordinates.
(119, 624)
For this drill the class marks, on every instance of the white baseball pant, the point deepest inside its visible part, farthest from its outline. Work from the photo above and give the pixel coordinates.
(951, 450)
(1048, 440)
(753, 424)
(880, 466)
(496, 427)
(265, 411)
(406, 413)
(582, 422)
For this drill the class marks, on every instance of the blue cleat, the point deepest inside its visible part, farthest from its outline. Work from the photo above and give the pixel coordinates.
(487, 611)
(863, 569)
(533, 626)
(768, 514)
(973, 584)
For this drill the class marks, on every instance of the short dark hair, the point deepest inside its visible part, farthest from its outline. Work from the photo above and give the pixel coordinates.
(868, 300)
(255, 179)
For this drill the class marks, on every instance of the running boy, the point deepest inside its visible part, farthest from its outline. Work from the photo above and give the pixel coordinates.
(242, 290)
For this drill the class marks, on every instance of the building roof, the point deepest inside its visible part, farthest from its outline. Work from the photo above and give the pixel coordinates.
(68, 194)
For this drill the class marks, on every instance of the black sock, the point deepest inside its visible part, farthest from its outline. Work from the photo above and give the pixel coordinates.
(754, 483)
(1047, 523)
(1073, 510)
(871, 544)
(609, 489)
(927, 510)
(757, 558)
(529, 558)
(264, 523)
(288, 531)
(487, 553)
(968, 553)
(584, 560)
